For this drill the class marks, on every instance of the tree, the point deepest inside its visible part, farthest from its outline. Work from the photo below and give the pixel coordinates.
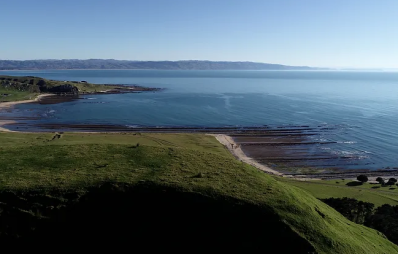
(380, 180)
(385, 220)
(352, 209)
(392, 181)
(362, 178)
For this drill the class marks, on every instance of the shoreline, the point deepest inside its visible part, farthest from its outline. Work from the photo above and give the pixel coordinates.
(237, 152)
(230, 144)
(9, 104)
(5, 122)
(222, 135)
(246, 140)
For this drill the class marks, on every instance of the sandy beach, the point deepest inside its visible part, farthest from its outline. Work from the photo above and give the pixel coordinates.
(10, 104)
(229, 143)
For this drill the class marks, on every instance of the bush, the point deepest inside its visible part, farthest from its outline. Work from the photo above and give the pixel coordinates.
(385, 220)
(380, 180)
(362, 178)
(391, 181)
(352, 209)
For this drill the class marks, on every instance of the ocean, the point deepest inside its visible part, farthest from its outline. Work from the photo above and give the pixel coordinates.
(360, 109)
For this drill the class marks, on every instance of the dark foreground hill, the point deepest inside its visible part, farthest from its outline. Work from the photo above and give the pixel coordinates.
(151, 65)
(147, 192)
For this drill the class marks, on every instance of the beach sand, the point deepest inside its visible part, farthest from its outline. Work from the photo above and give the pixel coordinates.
(229, 143)
(4, 122)
(9, 104)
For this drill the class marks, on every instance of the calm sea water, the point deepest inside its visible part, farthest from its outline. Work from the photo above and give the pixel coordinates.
(361, 107)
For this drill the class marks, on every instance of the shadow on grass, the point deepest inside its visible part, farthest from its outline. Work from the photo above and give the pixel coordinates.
(354, 183)
(146, 218)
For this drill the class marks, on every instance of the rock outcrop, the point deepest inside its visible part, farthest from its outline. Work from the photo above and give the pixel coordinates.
(64, 89)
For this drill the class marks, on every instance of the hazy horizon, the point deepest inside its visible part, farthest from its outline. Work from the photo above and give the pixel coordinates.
(338, 34)
(327, 68)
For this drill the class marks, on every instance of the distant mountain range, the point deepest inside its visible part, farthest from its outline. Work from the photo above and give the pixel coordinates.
(153, 65)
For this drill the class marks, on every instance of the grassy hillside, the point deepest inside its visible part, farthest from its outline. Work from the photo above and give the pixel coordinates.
(11, 94)
(172, 189)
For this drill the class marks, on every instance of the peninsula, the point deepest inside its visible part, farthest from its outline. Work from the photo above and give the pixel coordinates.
(14, 88)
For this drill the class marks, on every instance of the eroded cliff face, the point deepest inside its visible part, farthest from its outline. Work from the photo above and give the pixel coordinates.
(61, 89)
(64, 89)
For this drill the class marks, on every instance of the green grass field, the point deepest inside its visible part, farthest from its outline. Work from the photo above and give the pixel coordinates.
(373, 193)
(190, 163)
(80, 160)
(15, 95)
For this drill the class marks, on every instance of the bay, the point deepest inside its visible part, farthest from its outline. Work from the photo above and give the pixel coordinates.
(360, 107)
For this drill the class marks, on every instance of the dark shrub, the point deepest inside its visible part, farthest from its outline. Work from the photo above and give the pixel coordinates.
(379, 179)
(385, 220)
(352, 209)
(391, 181)
(362, 178)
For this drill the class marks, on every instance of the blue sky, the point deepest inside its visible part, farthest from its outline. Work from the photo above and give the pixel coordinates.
(338, 33)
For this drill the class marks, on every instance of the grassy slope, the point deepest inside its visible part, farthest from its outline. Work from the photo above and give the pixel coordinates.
(372, 193)
(16, 95)
(77, 161)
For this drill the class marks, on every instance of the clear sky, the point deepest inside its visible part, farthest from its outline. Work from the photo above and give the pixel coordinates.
(324, 33)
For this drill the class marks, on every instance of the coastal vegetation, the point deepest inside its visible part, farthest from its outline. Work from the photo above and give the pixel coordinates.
(383, 218)
(375, 193)
(159, 192)
(11, 94)
(362, 178)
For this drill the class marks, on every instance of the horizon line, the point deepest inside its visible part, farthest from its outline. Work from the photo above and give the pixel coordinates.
(194, 60)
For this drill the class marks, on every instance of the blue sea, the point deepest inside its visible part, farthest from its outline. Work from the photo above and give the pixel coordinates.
(360, 107)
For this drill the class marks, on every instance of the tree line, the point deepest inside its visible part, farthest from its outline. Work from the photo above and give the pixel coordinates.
(383, 218)
(364, 179)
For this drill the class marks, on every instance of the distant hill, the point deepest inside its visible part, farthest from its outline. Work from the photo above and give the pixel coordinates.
(153, 65)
